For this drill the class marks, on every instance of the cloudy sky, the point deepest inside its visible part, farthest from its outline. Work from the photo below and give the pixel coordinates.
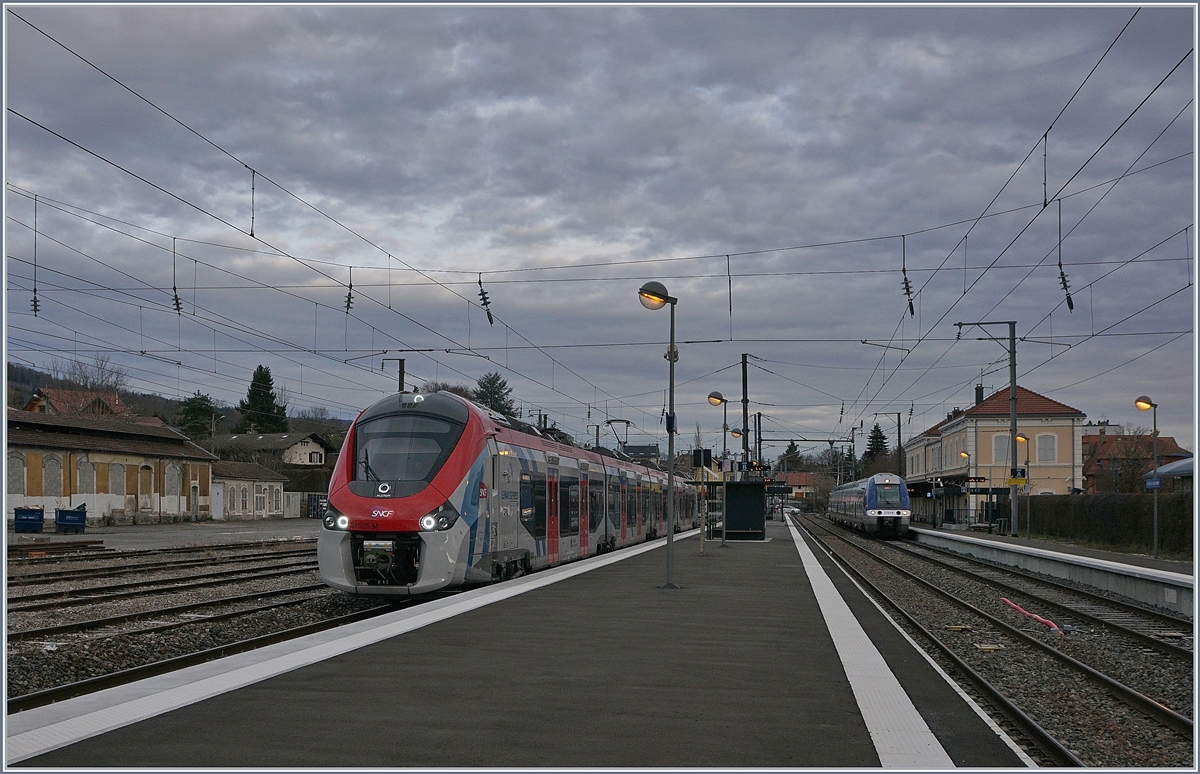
(787, 172)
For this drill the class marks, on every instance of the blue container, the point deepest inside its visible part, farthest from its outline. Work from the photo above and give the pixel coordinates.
(28, 519)
(72, 521)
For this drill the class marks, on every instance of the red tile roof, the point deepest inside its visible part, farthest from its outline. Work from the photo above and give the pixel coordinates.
(1029, 404)
(63, 401)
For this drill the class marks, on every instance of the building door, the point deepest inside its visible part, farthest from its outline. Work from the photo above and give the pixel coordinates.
(217, 502)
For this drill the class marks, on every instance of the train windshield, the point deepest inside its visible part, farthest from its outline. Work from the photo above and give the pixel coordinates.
(403, 448)
(887, 494)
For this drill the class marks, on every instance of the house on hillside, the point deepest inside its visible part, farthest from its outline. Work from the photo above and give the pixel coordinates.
(246, 490)
(124, 472)
(52, 400)
(958, 468)
(276, 449)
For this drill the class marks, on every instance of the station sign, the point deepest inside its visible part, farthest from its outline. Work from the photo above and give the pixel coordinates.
(1153, 483)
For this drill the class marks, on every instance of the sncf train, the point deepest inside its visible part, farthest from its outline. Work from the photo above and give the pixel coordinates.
(877, 505)
(432, 492)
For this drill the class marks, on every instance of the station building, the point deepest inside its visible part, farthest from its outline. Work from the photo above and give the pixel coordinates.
(959, 468)
(123, 471)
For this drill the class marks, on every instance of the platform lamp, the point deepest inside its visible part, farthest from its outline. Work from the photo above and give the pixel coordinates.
(1022, 438)
(717, 399)
(653, 295)
(966, 457)
(1145, 404)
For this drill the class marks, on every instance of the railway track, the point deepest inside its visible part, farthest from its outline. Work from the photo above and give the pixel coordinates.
(127, 567)
(1167, 633)
(174, 583)
(1056, 690)
(70, 631)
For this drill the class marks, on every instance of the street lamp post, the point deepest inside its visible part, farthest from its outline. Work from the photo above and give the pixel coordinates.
(717, 399)
(1022, 438)
(213, 435)
(966, 458)
(653, 295)
(1145, 404)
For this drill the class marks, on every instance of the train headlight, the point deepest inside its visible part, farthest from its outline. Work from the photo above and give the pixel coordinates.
(336, 520)
(443, 518)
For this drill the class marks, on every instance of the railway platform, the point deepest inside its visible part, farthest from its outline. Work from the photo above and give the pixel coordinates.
(766, 656)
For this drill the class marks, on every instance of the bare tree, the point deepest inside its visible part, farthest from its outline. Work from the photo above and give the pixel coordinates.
(98, 376)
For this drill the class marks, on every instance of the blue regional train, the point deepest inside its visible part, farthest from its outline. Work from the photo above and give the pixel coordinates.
(877, 505)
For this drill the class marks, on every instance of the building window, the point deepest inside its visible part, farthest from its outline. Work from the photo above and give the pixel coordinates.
(1047, 448)
(232, 499)
(1001, 448)
(278, 506)
(16, 474)
(116, 479)
(314, 457)
(174, 481)
(245, 499)
(87, 477)
(52, 478)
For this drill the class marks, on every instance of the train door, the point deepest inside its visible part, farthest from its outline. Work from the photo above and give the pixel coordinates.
(585, 521)
(552, 525)
(533, 514)
(597, 524)
(612, 524)
(568, 517)
(631, 512)
(506, 489)
(624, 516)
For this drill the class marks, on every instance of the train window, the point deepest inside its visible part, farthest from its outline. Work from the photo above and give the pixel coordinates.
(887, 494)
(403, 448)
(568, 513)
(631, 505)
(614, 502)
(533, 506)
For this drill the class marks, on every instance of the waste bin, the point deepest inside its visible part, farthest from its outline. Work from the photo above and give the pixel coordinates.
(28, 519)
(72, 521)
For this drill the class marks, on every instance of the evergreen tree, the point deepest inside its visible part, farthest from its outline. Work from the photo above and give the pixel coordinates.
(493, 391)
(196, 416)
(790, 459)
(261, 410)
(877, 446)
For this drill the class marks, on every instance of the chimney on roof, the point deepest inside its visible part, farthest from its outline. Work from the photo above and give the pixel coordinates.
(978, 394)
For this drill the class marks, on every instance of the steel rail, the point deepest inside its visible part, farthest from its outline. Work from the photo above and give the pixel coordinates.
(33, 579)
(96, 623)
(1040, 736)
(57, 599)
(111, 553)
(93, 684)
(1164, 714)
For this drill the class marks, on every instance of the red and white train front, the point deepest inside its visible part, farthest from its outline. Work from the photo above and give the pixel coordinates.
(433, 491)
(404, 498)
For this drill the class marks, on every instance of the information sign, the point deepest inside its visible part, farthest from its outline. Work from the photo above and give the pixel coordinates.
(1153, 483)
